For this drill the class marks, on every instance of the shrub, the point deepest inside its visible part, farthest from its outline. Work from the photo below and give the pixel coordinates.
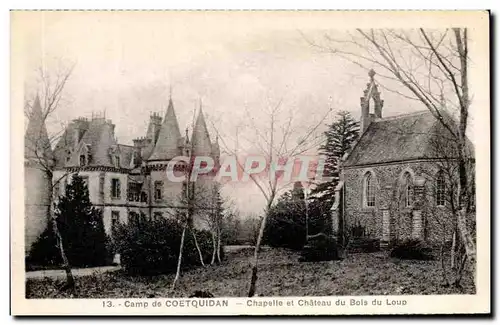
(44, 252)
(152, 247)
(412, 249)
(364, 245)
(320, 247)
(358, 240)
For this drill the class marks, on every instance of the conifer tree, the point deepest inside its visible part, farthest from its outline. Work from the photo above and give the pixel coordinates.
(340, 138)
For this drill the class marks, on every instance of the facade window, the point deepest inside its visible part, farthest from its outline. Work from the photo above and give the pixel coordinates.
(133, 218)
(407, 189)
(158, 190)
(440, 189)
(115, 219)
(134, 190)
(83, 160)
(117, 161)
(144, 197)
(369, 190)
(115, 188)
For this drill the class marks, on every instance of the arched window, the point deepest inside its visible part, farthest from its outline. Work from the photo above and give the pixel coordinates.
(83, 160)
(369, 190)
(407, 189)
(440, 189)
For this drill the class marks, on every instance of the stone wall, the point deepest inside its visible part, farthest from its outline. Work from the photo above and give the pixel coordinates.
(435, 221)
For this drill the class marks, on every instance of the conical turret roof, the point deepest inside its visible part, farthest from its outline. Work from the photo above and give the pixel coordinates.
(167, 145)
(201, 139)
(215, 147)
(36, 139)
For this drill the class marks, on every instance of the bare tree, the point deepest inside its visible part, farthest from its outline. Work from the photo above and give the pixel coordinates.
(189, 204)
(190, 201)
(213, 216)
(275, 143)
(428, 66)
(443, 200)
(49, 94)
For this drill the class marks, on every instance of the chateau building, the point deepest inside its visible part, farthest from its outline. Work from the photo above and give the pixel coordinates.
(400, 180)
(125, 181)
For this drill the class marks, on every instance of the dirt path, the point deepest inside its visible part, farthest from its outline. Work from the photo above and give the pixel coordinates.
(57, 274)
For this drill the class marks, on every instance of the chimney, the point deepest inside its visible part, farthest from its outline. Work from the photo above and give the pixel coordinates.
(154, 126)
(81, 125)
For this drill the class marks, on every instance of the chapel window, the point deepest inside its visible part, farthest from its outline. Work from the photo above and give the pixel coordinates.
(369, 190)
(440, 189)
(407, 189)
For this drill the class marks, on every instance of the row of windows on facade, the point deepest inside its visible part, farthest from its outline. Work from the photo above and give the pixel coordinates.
(407, 192)
(134, 191)
(133, 218)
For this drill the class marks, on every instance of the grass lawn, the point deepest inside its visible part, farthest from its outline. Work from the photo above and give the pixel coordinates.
(280, 274)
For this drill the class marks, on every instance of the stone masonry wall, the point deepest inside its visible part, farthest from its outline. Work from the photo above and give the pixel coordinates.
(436, 221)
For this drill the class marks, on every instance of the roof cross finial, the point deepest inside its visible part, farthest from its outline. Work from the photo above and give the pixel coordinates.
(371, 73)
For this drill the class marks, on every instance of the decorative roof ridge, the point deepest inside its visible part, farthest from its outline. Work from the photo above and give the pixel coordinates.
(395, 117)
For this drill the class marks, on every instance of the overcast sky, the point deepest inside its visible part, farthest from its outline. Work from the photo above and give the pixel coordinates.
(125, 64)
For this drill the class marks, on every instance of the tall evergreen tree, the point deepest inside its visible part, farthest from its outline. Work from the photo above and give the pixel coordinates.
(82, 226)
(340, 138)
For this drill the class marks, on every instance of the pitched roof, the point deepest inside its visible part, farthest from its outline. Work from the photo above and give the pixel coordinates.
(126, 155)
(36, 139)
(97, 139)
(401, 138)
(167, 145)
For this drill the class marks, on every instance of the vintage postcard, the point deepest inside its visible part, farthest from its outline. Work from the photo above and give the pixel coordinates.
(250, 162)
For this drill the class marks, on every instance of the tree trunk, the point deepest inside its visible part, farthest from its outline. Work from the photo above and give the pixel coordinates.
(200, 254)
(453, 248)
(70, 280)
(214, 246)
(253, 279)
(218, 245)
(179, 259)
(468, 243)
(443, 264)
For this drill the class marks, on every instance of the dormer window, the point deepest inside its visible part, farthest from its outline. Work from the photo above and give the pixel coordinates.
(83, 160)
(117, 161)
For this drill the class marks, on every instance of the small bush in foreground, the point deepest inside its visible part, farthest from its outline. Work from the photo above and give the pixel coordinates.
(412, 249)
(320, 247)
(152, 247)
(364, 245)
